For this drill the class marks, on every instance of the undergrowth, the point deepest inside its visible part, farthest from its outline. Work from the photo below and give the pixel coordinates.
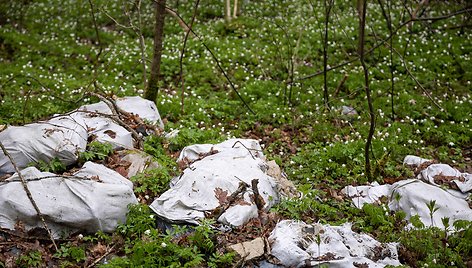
(48, 53)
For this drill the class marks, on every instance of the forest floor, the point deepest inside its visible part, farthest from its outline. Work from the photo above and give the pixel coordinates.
(272, 56)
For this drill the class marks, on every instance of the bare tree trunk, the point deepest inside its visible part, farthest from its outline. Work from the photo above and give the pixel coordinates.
(327, 7)
(362, 8)
(152, 88)
(388, 19)
(228, 11)
(142, 44)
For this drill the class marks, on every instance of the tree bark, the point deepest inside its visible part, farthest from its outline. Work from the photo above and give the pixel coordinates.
(228, 11)
(362, 9)
(152, 87)
(327, 7)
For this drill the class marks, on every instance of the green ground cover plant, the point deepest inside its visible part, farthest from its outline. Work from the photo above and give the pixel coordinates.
(48, 62)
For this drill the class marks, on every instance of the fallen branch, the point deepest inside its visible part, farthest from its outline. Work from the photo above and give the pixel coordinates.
(223, 207)
(249, 150)
(116, 116)
(257, 197)
(340, 85)
(28, 193)
(72, 177)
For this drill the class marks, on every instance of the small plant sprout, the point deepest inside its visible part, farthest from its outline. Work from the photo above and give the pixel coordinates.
(318, 230)
(397, 197)
(446, 223)
(432, 209)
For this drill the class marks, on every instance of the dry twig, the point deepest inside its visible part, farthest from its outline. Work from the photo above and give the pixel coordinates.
(223, 207)
(116, 117)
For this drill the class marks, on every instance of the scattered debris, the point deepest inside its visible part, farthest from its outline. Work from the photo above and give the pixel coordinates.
(284, 185)
(214, 174)
(297, 244)
(250, 249)
(414, 161)
(347, 110)
(172, 134)
(366, 194)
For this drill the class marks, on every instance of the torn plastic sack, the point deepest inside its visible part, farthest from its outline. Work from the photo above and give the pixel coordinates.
(105, 130)
(442, 173)
(62, 137)
(412, 160)
(294, 244)
(94, 198)
(197, 151)
(210, 180)
(146, 109)
(369, 194)
(347, 110)
(413, 196)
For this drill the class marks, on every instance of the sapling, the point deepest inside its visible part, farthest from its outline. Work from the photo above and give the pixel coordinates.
(432, 209)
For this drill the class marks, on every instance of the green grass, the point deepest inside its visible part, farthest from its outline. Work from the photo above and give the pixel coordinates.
(48, 52)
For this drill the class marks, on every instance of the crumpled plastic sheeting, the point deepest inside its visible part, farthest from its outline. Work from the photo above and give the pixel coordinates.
(215, 177)
(67, 203)
(464, 183)
(294, 244)
(366, 194)
(105, 130)
(462, 180)
(414, 196)
(62, 137)
(412, 160)
(194, 152)
(429, 174)
(144, 108)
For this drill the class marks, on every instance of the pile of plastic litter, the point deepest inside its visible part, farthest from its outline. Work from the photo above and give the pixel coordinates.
(441, 183)
(297, 244)
(223, 181)
(91, 199)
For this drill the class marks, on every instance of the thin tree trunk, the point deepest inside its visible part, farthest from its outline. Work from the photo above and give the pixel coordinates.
(388, 19)
(362, 8)
(142, 44)
(325, 53)
(152, 88)
(235, 9)
(228, 11)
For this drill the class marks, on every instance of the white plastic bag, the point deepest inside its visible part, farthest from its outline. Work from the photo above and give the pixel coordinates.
(62, 137)
(294, 244)
(208, 182)
(96, 199)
